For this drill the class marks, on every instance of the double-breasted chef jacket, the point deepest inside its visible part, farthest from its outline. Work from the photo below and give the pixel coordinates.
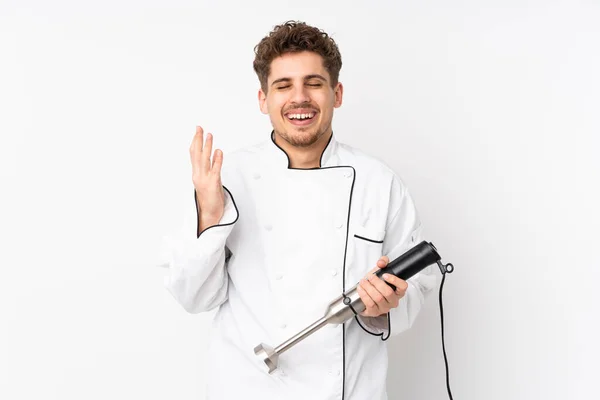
(291, 241)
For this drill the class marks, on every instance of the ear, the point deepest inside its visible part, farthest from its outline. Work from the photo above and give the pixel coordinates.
(262, 101)
(339, 92)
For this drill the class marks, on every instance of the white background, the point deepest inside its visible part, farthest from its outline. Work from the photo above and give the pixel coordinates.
(489, 110)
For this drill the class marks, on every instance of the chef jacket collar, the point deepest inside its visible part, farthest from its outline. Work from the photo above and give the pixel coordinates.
(328, 157)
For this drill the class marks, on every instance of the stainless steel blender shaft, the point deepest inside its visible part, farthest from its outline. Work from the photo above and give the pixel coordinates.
(340, 310)
(315, 326)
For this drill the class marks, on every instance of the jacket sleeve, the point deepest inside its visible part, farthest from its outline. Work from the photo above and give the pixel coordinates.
(403, 231)
(197, 261)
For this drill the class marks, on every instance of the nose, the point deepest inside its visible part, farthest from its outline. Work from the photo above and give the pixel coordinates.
(300, 95)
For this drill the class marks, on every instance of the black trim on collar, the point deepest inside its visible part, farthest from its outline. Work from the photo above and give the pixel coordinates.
(288, 157)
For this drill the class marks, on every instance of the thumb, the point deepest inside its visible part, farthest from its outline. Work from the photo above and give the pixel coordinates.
(383, 261)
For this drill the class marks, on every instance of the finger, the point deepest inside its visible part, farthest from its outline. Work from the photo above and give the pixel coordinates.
(196, 149)
(206, 152)
(198, 139)
(364, 296)
(383, 288)
(373, 293)
(217, 162)
(401, 285)
(383, 261)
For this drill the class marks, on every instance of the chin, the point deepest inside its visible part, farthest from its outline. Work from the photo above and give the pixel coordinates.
(301, 138)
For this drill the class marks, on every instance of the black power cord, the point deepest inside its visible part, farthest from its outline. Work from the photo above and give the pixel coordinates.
(448, 268)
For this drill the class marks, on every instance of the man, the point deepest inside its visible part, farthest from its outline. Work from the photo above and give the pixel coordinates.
(281, 228)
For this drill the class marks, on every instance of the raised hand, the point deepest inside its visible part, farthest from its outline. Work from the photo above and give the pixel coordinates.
(207, 179)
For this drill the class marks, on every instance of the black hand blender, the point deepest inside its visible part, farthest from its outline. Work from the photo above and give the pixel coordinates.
(350, 304)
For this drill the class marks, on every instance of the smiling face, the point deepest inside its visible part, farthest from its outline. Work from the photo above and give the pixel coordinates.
(299, 98)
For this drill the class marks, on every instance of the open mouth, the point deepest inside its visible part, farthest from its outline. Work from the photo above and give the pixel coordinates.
(301, 118)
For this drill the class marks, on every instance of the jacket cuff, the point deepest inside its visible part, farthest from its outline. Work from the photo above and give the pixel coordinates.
(397, 320)
(230, 213)
(187, 242)
(376, 326)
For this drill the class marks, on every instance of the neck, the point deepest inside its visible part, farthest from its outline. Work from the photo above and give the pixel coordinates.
(304, 157)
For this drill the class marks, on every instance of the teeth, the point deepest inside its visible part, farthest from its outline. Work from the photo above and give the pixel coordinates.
(301, 116)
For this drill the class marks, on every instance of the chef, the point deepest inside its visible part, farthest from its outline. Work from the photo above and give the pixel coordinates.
(277, 230)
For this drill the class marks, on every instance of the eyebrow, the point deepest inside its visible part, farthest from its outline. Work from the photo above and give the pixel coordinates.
(306, 78)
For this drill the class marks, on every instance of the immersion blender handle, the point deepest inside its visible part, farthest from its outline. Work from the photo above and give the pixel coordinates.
(410, 263)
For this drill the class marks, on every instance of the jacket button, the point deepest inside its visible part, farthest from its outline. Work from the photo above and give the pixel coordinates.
(283, 326)
(333, 272)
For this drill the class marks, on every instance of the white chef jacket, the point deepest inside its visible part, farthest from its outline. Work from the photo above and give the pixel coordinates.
(291, 241)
